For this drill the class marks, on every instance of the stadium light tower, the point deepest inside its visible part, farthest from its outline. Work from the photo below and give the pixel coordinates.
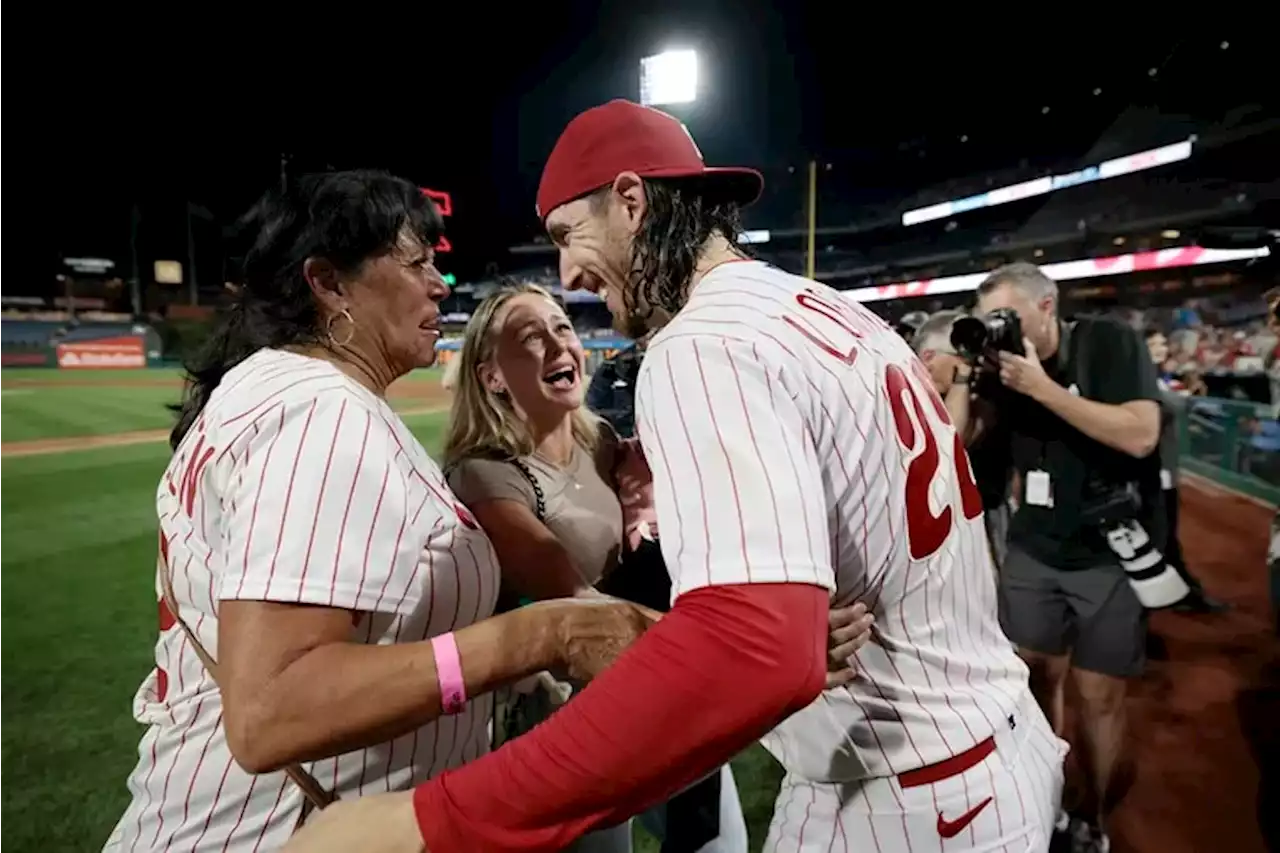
(670, 77)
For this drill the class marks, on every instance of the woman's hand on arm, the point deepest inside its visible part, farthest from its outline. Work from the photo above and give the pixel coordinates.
(850, 629)
(296, 686)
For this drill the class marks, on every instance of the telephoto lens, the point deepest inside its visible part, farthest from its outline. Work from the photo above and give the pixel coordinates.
(999, 331)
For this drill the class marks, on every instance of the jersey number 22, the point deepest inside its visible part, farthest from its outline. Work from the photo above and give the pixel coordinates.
(926, 531)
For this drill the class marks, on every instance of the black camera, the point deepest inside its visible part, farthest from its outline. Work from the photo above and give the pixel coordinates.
(999, 331)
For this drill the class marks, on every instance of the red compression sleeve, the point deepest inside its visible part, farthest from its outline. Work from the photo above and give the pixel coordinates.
(725, 666)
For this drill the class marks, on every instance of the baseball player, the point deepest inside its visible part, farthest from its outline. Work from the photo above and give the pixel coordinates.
(799, 455)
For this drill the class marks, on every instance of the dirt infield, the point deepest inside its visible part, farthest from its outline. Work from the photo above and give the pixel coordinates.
(1205, 719)
(42, 446)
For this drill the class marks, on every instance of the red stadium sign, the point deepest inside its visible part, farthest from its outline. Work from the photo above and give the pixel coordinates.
(444, 203)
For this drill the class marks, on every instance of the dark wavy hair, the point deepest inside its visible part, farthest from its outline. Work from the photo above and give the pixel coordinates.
(682, 214)
(347, 218)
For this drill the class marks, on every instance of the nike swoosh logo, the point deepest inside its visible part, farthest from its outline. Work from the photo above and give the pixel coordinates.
(952, 828)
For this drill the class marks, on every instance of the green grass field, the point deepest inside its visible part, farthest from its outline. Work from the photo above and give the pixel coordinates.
(79, 536)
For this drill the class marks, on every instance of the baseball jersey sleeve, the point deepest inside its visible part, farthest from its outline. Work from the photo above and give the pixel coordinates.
(318, 511)
(737, 486)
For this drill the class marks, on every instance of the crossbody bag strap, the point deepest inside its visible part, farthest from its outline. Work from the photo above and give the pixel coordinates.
(539, 498)
(317, 795)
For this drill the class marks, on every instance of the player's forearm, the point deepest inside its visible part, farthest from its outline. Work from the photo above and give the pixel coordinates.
(344, 696)
(724, 667)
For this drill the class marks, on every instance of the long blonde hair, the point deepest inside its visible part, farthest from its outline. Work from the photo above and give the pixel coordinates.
(482, 423)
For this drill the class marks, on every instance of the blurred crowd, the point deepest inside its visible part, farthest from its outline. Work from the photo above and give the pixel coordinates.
(1220, 337)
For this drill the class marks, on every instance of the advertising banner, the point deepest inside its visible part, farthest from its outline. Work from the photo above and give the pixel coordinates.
(26, 358)
(103, 354)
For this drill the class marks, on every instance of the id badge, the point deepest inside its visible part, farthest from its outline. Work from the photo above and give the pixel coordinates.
(1166, 479)
(1039, 489)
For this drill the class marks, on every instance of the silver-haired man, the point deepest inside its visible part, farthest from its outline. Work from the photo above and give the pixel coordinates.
(973, 418)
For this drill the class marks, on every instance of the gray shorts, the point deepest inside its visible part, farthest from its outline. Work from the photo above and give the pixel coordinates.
(1091, 614)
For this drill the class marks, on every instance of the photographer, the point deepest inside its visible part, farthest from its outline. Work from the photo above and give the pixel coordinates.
(973, 418)
(1083, 422)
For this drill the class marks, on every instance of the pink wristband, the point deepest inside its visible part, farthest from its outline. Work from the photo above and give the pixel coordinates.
(453, 690)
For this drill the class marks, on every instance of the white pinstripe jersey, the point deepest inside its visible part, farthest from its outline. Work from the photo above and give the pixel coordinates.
(795, 438)
(296, 485)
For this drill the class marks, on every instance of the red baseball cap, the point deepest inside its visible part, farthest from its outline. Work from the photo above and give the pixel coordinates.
(622, 136)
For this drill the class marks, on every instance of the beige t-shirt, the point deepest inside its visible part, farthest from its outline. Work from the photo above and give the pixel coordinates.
(582, 508)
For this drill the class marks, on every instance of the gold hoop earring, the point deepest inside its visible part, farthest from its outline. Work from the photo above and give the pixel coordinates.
(351, 332)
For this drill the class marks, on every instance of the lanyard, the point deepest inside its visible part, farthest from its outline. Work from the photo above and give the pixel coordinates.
(1063, 368)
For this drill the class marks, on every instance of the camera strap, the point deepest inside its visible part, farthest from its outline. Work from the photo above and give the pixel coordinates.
(1066, 370)
(1066, 337)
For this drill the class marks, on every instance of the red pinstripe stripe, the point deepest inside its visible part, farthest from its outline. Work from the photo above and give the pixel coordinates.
(324, 481)
(346, 513)
(728, 463)
(697, 471)
(288, 493)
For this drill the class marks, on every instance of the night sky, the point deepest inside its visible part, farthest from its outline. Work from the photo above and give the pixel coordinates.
(470, 101)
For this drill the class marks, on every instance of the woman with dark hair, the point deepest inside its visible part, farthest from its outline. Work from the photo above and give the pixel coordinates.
(325, 601)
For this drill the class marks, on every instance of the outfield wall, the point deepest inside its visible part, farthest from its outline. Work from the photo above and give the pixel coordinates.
(93, 346)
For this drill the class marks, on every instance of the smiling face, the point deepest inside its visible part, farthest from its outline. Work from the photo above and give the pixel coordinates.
(535, 357)
(595, 236)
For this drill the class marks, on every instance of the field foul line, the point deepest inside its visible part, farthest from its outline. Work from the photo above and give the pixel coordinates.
(45, 446)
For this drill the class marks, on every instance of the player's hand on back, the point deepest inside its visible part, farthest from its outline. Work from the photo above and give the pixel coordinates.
(850, 629)
(590, 633)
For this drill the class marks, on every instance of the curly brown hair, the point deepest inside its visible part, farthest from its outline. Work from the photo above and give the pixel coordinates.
(682, 215)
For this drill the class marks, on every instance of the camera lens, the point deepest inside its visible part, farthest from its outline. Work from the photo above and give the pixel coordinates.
(969, 336)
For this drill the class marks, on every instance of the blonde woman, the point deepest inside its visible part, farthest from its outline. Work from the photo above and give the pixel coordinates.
(542, 475)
